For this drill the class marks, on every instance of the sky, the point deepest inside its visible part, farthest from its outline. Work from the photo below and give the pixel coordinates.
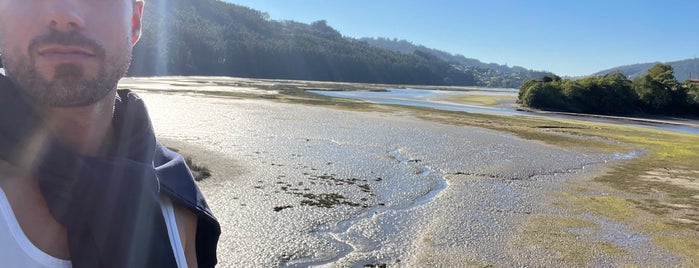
(569, 38)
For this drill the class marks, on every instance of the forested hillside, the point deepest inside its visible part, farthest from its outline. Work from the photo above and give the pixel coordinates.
(210, 37)
(486, 74)
(683, 69)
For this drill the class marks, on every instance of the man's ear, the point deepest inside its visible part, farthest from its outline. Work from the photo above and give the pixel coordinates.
(136, 16)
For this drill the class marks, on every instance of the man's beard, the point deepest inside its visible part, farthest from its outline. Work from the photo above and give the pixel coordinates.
(69, 87)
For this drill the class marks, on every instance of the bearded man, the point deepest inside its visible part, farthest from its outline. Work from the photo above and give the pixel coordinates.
(83, 181)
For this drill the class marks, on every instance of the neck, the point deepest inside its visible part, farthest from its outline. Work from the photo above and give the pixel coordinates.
(84, 129)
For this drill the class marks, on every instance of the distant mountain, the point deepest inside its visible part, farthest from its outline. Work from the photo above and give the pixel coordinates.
(404, 46)
(488, 74)
(683, 69)
(211, 37)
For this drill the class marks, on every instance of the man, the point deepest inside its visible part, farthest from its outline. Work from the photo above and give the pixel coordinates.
(81, 173)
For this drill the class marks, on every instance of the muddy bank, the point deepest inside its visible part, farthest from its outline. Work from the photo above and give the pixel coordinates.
(296, 185)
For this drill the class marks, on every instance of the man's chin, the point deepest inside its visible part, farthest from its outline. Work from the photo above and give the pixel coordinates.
(66, 84)
(65, 91)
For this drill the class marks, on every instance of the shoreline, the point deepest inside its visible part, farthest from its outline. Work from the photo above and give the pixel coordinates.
(292, 90)
(655, 119)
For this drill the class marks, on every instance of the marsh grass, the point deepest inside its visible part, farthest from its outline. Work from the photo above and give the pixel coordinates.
(675, 239)
(550, 131)
(562, 241)
(484, 100)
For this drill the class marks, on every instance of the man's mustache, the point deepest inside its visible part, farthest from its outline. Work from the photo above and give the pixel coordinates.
(72, 38)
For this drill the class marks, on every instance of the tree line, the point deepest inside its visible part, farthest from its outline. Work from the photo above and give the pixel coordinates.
(656, 92)
(211, 37)
(485, 74)
(684, 69)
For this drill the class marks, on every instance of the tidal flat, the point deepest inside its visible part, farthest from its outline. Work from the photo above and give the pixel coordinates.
(299, 179)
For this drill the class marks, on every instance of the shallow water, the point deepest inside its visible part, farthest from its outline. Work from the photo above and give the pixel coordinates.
(426, 98)
(419, 98)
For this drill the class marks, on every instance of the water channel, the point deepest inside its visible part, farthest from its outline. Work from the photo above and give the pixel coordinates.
(435, 99)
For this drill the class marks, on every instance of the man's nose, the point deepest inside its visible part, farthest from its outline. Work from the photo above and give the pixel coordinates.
(65, 15)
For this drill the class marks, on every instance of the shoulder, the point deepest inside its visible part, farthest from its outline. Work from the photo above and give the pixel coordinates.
(187, 229)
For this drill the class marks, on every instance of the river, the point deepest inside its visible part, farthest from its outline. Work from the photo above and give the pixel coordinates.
(435, 99)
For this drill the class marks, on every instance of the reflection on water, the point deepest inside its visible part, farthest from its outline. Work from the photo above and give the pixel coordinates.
(420, 98)
(495, 89)
(427, 98)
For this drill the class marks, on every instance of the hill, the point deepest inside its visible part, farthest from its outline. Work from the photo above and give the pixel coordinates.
(487, 74)
(683, 69)
(210, 37)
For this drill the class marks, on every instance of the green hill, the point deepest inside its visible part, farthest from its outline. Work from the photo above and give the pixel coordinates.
(683, 69)
(487, 74)
(210, 37)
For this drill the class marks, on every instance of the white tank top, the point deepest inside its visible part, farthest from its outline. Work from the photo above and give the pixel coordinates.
(16, 250)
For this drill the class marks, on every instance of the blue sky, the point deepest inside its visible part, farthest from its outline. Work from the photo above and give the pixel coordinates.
(569, 38)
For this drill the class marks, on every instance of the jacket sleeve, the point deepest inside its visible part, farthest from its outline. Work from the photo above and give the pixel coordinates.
(177, 182)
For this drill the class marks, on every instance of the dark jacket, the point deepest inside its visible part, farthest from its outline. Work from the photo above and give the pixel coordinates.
(108, 204)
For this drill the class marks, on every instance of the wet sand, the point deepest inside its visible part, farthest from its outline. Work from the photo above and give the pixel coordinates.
(298, 186)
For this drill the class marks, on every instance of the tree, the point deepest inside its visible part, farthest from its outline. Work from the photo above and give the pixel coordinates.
(543, 95)
(659, 92)
(692, 90)
(550, 78)
(619, 96)
(663, 73)
(655, 92)
(610, 94)
(212, 37)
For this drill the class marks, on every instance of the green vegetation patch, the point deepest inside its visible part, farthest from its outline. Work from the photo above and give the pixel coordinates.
(563, 133)
(675, 154)
(668, 225)
(568, 241)
(675, 239)
(483, 100)
(610, 207)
